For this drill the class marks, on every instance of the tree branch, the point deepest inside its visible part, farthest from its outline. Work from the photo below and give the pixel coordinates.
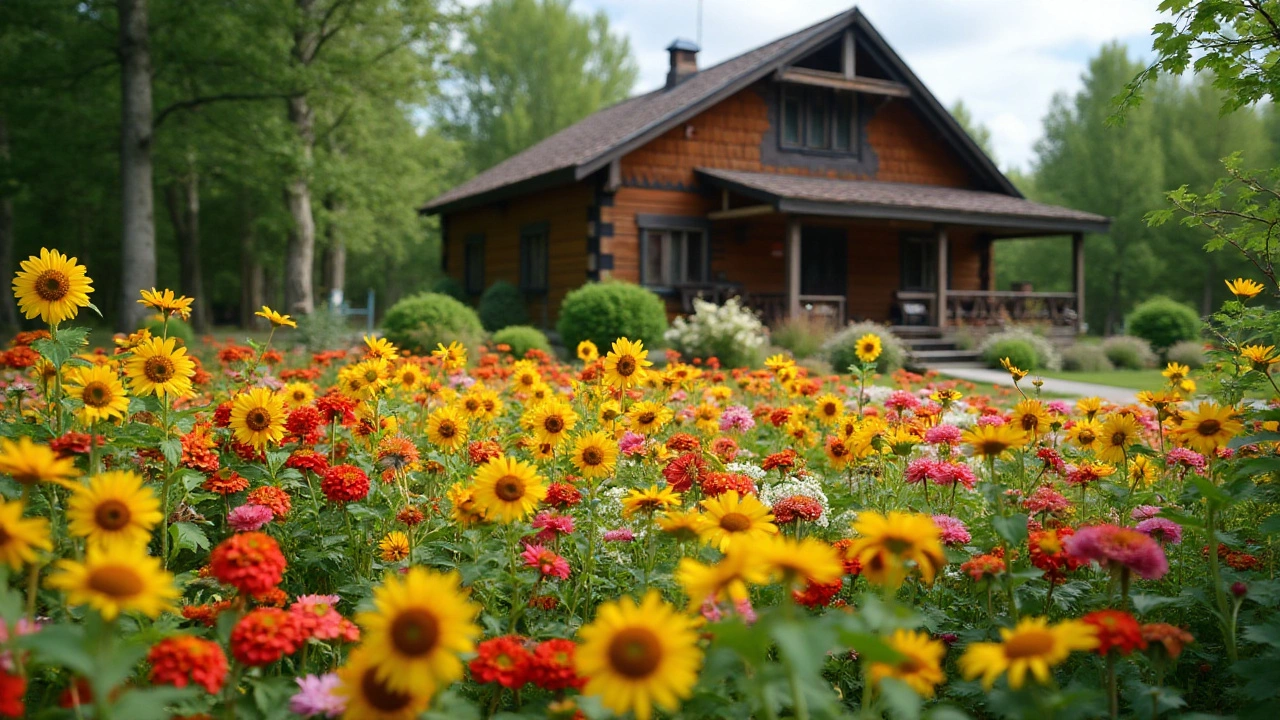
(196, 102)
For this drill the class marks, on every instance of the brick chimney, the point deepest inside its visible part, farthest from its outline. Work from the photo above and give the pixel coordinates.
(684, 61)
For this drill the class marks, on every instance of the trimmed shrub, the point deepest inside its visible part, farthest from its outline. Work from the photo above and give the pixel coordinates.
(323, 329)
(802, 336)
(522, 339)
(839, 349)
(1163, 323)
(418, 322)
(1034, 350)
(604, 312)
(451, 287)
(730, 332)
(178, 328)
(1086, 357)
(502, 305)
(1187, 352)
(1128, 352)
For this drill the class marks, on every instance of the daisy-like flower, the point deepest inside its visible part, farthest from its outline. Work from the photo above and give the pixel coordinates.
(125, 579)
(595, 455)
(166, 302)
(51, 286)
(21, 537)
(626, 364)
(258, 417)
(1033, 646)
(730, 517)
(1014, 371)
(275, 318)
(888, 546)
(100, 390)
(1260, 357)
(1244, 288)
(587, 351)
(28, 463)
(114, 509)
(447, 429)
(451, 357)
(159, 367)
(651, 500)
(920, 666)
(394, 546)
(545, 561)
(868, 348)
(506, 490)
(1208, 427)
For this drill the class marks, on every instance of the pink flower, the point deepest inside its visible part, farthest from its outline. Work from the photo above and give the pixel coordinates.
(679, 396)
(619, 535)
(901, 400)
(1142, 512)
(1164, 530)
(631, 443)
(736, 417)
(248, 518)
(1124, 547)
(1059, 407)
(919, 470)
(943, 434)
(317, 617)
(22, 627)
(551, 524)
(1046, 500)
(1052, 460)
(547, 562)
(950, 473)
(992, 420)
(953, 530)
(316, 696)
(1186, 458)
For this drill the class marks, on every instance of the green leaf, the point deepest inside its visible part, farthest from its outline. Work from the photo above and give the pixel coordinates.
(187, 536)
(60, 646)
(1013, 528)
(903, 702)
(870, 648)
(151, 703)
(1146, 603)
(172, 449)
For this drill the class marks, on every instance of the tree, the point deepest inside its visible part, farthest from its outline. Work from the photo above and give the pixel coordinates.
(980, 133)
(527, 69)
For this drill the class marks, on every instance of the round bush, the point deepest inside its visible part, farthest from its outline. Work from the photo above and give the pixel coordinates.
(1086, 357)
(1163, 322)
(502, 305)
(1045, 355)
(730, 333)
(451, 287)
(522, 339)
(604, 312)
(419, 322)
(1128, 352)
(802, 337)
(839, 349)
(177, 329)
(1187, 352)
(1020, 352)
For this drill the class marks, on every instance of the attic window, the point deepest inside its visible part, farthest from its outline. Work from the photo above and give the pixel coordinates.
(821, 119)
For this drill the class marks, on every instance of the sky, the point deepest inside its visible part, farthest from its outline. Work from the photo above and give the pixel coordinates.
(1004, 58)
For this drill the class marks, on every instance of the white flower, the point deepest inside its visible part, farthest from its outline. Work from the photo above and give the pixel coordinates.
(751, 471)
(810, 487)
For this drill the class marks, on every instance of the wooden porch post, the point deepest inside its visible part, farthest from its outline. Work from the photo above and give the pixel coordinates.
(940, 312)
(1077, 277)
(793, 267)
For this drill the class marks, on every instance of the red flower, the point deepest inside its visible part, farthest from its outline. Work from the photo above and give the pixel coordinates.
(264, 636)
(270, 496)
(409, 515)
(503, 660)
(198, 449)
(852, 566)
(304, 459)
(222, 415)
(552, 666)
(247, 452)
(683, 442)
(74, 443)
(345, 483)
(779, 417)
(797, 507)
(304, 422)
(563, 495)
(717, 483)
(206, 615)
(1116, 629)
(983, 566)
(225, 482)
(12, 688)
(181, 659)
(482, 451)
(816, 595)
(783, 461)
(21, 358)
(682, 472)
(725, 448)
(336, 407)
(1049, 553)
(251, 562)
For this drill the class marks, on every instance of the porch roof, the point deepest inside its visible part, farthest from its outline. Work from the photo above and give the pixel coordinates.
(804, 195)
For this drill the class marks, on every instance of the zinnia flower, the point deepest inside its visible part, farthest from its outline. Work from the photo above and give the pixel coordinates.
(264, 636)
(953, 530)
(316, 696)
(1123, 547)
(181, 659)
(547, 562)
(251, 562)
(503, 660)
(247, 518)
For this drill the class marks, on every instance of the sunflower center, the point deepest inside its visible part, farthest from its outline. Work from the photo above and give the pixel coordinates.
(447, 429)
(370, 375)
(646, 418)
(52, 285)
(735, 522)
(5, 537)
(1030, 643)
(897, 546)
(158, 369)
(381, 697)
(626, 366)
(592, 456)
(1087, 437)
(829, 409)
(112, 515)
(415, 632)
(1119, 438)
(509, 488)
(96, 394)
(118, 581)
(1208, 428)
(299, 396)
(1029, 422)
(472, 405)
(635, 652)
(257, 420)
(553, 424)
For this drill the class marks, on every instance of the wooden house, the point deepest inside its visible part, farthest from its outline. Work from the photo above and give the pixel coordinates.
(815, 174)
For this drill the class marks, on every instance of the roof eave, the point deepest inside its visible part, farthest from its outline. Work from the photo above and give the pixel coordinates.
(545, 181)
(1017, 223)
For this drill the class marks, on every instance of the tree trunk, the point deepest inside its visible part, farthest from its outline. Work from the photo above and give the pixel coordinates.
(138, 196)
(8, 310)
(183, 200)
(298, 298)
(335, 253)
(252, 276)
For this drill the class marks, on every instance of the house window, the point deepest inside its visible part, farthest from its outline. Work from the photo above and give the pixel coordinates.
(670, 257)
(919, 261)
(534, 258)
(473, 272)
(822, 119)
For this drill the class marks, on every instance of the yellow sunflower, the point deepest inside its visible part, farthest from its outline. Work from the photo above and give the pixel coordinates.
(920, 666)
(625, 365)
(462, 502)
(1260, 357)
(52, 287)
(1033, 646)
(993, 440)
(275, 318)
(680, 524)
(1209, 427)
(451, 357)
(114, 509)
(166, 302)
(124, 579)
(507, 489)
(648, 417)
(653, 499)
(829, 409)
(257, 417)
(21, 537)
(795, 562)
(380, 347)
(447, 429)
(886, 545)
(779, 362)
(367, 377)
(551, 421)
(1117, 433)
(595, 455)
(1175, 372)
(421, 623)
(1244, 288)
(1089, 407)
(409, 376)
(726, 581)
(298, 394)
(1014, 371)
(394, 546)
(1031, 417)
(730, 517)
(868, 348)
(369, 697)
(1085, 433)
(636, 656)
(588, 352)
(28, 463)
(158, 366)
(101, 391)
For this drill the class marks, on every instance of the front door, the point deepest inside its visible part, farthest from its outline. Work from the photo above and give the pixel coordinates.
(824, 261)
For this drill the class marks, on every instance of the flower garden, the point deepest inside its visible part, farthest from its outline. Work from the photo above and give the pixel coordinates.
(252, 531)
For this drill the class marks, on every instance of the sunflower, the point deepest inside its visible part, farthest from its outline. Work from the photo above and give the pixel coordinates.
(1142, 471)
(368, 697)
(726, 581)
(1085, 433)
(380, 347)
(1244, 288)
(124, 579)
(1089, 406)
(1208, 427)
(28, 463)
(551, 421)
(1031, 417)
(409, 376)
(635, 656)
(462, 502)
(1014, 371)
(525, 375)
(447, 429)
(452, 357)
(595, 455)
(887, 543)
(394, 546)
(1260, 357)
(1115, 436)
(1034, 645)
(1175, 373)
(588, 352)
(367, 377)
(101, 391)
(868, 348)
(626, 363)
(164, 301)
(681, 524)
(298, 394)
(829, 409)
(795, 562)
(920, 666)
(21, 537)
(114, 509)
(993, 440)
(158, 366)
(420, 623)
(778, 362)
(649, 417)
(652, 499)
(507, 489)
(257, 417)
(51, 286)
(730, 517)
(275, 318)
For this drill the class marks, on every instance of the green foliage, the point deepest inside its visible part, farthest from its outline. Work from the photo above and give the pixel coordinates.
(522, 339)
(839, 349)
(419, 322)
(1187, 352)
(450, 286)
(1033, 349)
(1128, 352)
(323, 329)
(1086, 357)
(604, 312)
(502, 305)
(177, 328)
(731, 333)
(1018, 351)
(1163, 322)
(802, 336)
(980, 133)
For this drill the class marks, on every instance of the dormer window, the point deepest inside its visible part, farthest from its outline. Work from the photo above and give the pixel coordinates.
(817, 118)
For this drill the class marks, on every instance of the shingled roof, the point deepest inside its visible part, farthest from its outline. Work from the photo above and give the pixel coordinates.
(585, 147)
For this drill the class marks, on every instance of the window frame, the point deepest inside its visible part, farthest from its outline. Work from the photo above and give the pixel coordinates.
(672, 226)
(471, 243)
(832, 101)
(528, 234)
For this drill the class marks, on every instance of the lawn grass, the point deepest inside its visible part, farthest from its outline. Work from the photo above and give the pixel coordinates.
(1132, 379)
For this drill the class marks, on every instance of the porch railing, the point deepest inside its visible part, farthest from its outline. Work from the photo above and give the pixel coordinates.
(991, 307)
(772, 307)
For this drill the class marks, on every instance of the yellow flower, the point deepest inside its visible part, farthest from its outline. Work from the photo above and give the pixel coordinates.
(21, 537)
(420, 625)
(453, 357)
(946, 396)
(649, 417)
(158, 366)
(868, 348)
(394, 547)
(1031, 417)
(920, 666)
(730, 517)
(1085, 433)
(1014, 371)
(52, 287)
(257, 417)
(795, 562)
(635, 656)
(1116, 435)
(101, 391)
(625, 365)
(368, 697)
(276, 319)
(1261, 357)
(551, 421)
(167, 303)
(462, 500)
(1244, 288)
(507, 489)
(651, 500)
(588, 352)
(28, 463)
(726, 581)
(1209, 427)
(829, 409)
(380, 348)
(779, 362)
(367, 377)
(1160, 399)
(1142, 472)
(298, 394)
(124, 579)
(114, 509)
(1033, 646)
(885, 544)
(1175, 372)
(409, 376)
(447, 429)
(993, 440)
(682, 524)
(1089, 407)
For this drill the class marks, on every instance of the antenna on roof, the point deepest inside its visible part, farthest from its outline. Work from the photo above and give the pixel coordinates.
(699, 23)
